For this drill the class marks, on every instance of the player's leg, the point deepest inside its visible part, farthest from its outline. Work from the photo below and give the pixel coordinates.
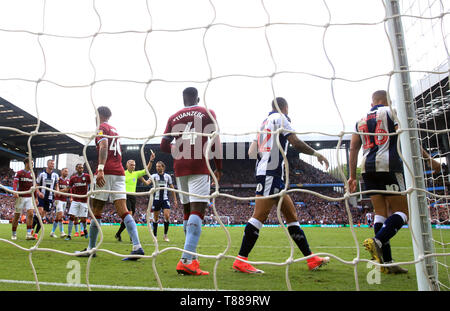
(156, 211)
(261, 211)
(30, 214)
(298, 235)
(131, 200)
(55, 221)
(71, 222)
(199, 185)
(14, 224)
(263, 206)
(166, 222)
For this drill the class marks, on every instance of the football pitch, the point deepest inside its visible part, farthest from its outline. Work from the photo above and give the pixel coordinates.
(107, 272)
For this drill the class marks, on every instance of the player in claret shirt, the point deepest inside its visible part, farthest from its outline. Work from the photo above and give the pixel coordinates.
(23, 181)
(79, 185)
(191, 171)
(110, 175)
(61, 203)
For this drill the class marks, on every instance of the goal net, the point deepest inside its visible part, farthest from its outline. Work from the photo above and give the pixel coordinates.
(325, 57)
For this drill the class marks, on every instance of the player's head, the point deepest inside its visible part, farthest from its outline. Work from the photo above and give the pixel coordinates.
(50, 164)
(282, 104)
(28, 164)
(190, 96)
(379, 98)
(79, 168)
(104, 113)
(131, 165)
(64, 172)
(160, 167)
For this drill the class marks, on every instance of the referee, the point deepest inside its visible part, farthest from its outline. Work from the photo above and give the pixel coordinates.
(131, 179)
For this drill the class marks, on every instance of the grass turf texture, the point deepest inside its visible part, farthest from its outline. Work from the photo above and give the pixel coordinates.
(272, 246)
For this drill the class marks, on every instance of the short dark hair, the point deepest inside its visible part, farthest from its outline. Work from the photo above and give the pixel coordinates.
(190, 95)
(281, 103)
(379, 95)
(26, 160)
(79, 164)
(104, 112)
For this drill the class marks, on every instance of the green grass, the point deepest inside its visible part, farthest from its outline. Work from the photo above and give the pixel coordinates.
(272, 246)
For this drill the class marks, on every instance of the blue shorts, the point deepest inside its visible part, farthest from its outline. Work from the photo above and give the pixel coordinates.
(160, 205)
(268, 185)
(45, 203)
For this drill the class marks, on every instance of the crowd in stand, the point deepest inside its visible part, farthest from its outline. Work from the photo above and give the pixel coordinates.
(311, 208)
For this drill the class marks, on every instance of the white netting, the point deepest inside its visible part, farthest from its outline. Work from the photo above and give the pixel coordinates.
(207, 23)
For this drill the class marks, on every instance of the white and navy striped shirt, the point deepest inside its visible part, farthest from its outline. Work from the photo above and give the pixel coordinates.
(163, 180)
(270, 161)
(47, 180)
(379, 151)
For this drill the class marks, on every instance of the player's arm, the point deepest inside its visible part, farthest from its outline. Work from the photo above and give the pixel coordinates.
(38, 191)
(102, 157)
(253, 150)
(218, 152)
(167, 139)
(355, 146)
(146, 182)
(174, 194)
(435, 165)
(150, 163)
(15, 185)
(302, 147)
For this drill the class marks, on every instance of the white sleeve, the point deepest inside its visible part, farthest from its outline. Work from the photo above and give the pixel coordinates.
(170, 179)
(286, 124)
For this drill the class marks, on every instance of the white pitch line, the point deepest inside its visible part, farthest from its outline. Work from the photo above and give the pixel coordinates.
(143, 288)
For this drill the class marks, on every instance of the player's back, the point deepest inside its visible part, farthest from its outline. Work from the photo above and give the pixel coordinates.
(270, 161)
(379, 151)
(189, 146)
(113, 165)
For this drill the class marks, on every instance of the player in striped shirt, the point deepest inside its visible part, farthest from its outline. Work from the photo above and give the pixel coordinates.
(48, 179)
(23, 181)
(381, 170)
(161, 198)
(61, 203)
(270, 181)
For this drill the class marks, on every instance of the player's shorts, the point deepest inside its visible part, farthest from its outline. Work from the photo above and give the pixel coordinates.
(60, 206)
(194, 184)
(23, 204)
(131, 203)
(46, 204)
(78, 209)
(268, 185)
(383, 181)
(160, 205)
(112, 183)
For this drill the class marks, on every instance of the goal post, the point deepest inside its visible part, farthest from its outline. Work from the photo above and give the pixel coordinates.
(426, 269)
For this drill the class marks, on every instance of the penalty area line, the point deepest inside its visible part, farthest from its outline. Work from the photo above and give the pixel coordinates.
(112, 287)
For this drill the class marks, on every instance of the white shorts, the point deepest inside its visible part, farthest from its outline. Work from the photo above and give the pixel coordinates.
(112, 183)
(78, 209)
(61, 206)
(23, 204)
(194, 184)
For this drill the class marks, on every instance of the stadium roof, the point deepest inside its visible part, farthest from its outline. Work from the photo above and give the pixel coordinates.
(14, 145)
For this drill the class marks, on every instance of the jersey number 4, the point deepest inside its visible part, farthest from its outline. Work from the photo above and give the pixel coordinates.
(366, 139)
(115, 146)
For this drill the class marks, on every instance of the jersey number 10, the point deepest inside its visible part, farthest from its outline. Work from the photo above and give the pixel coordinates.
(367, 143)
